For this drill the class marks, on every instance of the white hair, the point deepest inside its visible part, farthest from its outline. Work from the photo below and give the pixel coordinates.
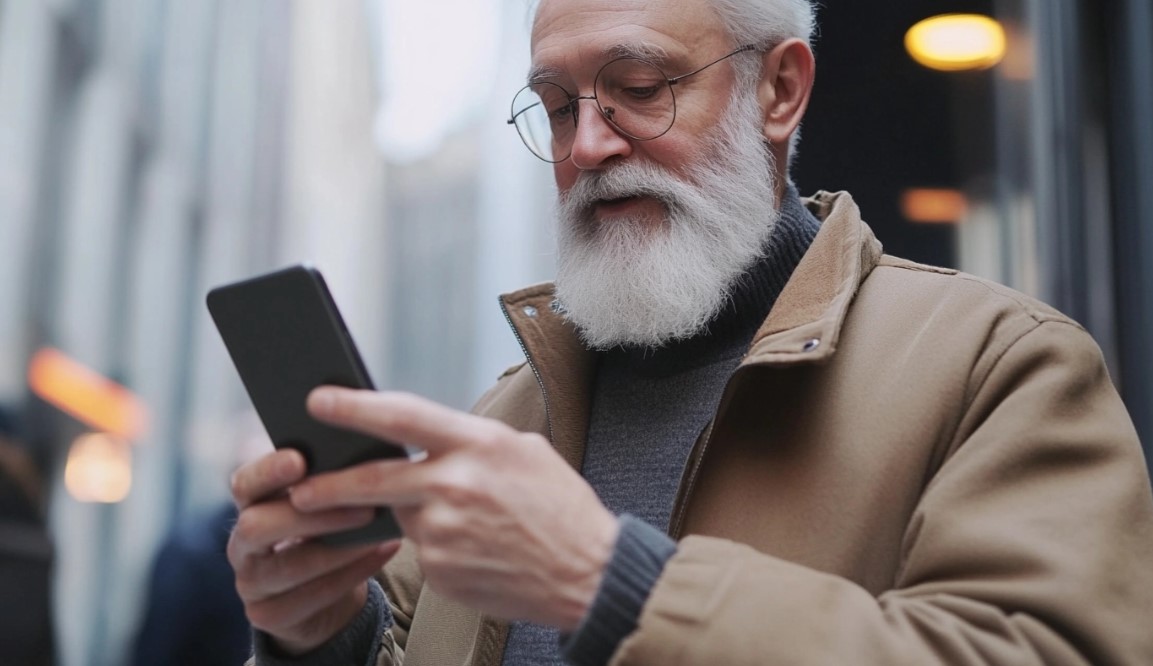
(764, 24)
(761, 22)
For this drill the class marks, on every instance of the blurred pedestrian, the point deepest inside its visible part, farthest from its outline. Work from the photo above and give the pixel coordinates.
(26, 629)
(193, 615)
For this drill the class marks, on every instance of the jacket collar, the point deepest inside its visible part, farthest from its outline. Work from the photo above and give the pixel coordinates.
(805, 323)
(563, 366)
(803, 326)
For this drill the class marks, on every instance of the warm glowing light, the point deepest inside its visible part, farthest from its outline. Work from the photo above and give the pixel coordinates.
(934, 206)
(91, 398)
(956, 42)
(99, 469)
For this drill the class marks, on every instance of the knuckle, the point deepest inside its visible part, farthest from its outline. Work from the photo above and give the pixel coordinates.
(370, 475)
(406, 411)
(246, 589)
(406, 400)
(434, 527)
(233, 551)
(456, 484)
(408, 517)
(264, 615)
(341, 407)
(490, 438)
(400, 420)
(236, 486)
(439, 525)
(298, 564)
(382, 418)
(493, 433)
(242, 485)
(244, 527)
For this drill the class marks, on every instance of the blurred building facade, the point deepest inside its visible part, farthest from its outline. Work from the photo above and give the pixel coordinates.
(151, 149)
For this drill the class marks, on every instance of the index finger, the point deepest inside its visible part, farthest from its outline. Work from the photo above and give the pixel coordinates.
(266, 476)
(402, 417)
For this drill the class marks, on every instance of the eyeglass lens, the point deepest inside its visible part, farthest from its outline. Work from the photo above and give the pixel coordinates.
(632, 94)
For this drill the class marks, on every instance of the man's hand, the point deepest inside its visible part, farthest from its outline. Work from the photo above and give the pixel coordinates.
(300, 592)
(501, 522)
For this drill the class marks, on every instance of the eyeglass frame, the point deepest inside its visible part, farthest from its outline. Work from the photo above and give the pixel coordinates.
(574, 100)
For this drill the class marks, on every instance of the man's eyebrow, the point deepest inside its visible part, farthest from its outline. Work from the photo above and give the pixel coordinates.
(642, 50)
(541, 72)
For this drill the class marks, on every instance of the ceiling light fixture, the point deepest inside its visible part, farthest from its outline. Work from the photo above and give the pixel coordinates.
(957, 42)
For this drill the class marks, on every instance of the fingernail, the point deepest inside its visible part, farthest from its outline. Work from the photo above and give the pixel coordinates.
(320, 401)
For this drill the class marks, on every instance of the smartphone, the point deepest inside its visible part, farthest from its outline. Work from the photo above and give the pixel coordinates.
(286, 337)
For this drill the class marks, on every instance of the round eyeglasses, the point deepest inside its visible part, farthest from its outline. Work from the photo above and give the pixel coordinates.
(632, 94)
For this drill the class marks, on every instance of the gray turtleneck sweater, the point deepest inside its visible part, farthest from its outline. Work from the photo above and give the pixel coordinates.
(649, 407)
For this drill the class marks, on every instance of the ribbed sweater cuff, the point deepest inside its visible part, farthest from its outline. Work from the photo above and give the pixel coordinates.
(638, 559)
(357, 643)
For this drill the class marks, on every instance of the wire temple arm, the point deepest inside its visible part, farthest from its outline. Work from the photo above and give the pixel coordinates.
(677, 79)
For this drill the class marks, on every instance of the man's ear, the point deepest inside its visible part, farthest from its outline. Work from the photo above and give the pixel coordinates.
(787, 73)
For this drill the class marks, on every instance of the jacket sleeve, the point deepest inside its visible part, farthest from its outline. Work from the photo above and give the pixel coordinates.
(1030, 545)
(402, 580)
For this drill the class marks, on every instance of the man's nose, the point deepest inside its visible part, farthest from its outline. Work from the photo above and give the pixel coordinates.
(596, 141)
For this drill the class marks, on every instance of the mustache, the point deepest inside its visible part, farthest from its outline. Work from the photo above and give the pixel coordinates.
(619, 182)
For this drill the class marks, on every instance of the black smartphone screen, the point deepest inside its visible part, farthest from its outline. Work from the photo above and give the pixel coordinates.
(286, 337)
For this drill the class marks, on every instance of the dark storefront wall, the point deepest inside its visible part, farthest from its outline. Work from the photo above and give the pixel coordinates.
(879, 123)
(1053, 150)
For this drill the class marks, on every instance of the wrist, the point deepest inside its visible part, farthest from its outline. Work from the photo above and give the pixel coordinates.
(356, 643)
(322, 628)
(578, 597)
(638, 560)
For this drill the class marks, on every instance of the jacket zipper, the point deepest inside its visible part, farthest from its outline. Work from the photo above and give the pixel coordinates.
(493, 642)
(689, 482)
(532, 366)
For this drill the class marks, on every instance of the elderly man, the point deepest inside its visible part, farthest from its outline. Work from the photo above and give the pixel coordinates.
(743, 434)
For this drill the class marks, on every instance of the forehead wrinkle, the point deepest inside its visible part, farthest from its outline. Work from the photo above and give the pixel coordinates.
(642, 50)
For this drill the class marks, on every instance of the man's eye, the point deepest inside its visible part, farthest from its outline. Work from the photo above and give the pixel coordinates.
(561, 113)
(641, 93)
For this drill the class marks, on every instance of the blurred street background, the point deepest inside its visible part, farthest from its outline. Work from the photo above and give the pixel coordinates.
(153, 149)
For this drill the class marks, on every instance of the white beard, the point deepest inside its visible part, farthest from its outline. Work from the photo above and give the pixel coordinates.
(648, 282)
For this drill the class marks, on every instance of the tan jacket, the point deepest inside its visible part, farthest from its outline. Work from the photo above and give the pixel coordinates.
(910, 466)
